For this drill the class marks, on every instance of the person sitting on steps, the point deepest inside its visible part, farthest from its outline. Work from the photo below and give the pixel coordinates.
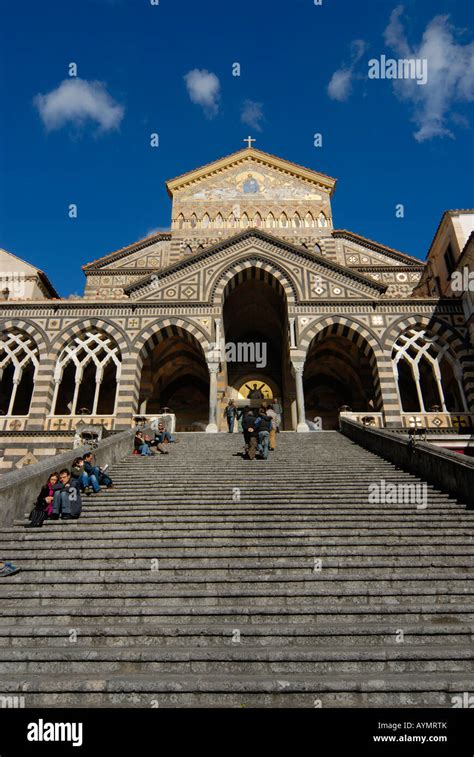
(86, 483)
(93, 470)
(142, 445)
(67, 497)
(43, 507)
(162, 436)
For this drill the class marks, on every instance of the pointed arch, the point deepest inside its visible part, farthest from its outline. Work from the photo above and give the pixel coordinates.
(270, 222)
(87, 375)
(283, 221)
(309, 220)
(432, 365)
(19, 362)
(322, 220)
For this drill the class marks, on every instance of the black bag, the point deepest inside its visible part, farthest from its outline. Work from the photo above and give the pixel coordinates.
(37, 517)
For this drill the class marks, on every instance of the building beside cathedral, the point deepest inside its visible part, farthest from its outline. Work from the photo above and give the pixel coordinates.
(252, 258)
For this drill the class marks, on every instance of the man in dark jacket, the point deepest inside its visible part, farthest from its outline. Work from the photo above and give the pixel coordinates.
(250, 434)
(93, 470)
(67, 497)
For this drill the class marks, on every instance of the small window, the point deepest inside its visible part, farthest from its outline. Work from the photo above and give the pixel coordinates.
(449, 260)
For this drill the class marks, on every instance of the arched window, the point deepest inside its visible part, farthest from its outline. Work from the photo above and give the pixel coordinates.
(244, 221)
(322, 220)
(193, 221)
(296, 221)
(270, 221)
(257, 221)
(427, 373)
(180, 221)
(87, 375)
(219, 221)
(188, 250)
(205, 221)
(232, 222)
(18, 365)
(284, 220)
(309, 221)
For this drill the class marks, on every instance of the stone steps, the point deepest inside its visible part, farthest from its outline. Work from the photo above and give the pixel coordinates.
(165, 636)
(297, 690)
(431, 632)
(237, 658)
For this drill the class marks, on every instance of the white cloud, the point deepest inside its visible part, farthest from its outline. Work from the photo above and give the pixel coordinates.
(450, 74)
(340, 85)
(252, 114)
(158, 230)
(77, 101)
(204, 90)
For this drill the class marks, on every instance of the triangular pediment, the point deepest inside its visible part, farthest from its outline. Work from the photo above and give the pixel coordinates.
(275, 178)
(311, 277)
(359, 251)
(145, 254)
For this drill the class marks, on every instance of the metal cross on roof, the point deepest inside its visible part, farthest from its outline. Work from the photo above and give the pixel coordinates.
(249, 140)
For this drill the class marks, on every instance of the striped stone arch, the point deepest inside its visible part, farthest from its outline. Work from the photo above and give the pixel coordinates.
(270, 272)
(157, 332)
(80, 326)
(360, 336)
(43, 373)
(44, 395)
(30, 328)
(153, 334)
(460, 347)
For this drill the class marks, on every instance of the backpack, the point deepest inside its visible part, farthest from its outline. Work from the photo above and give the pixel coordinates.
(37, 516)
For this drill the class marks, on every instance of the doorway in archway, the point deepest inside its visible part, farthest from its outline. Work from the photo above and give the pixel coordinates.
(175, 376)
(255, 313)
(337, 374)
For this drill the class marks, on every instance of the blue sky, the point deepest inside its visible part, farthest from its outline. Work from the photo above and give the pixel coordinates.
(303, 71)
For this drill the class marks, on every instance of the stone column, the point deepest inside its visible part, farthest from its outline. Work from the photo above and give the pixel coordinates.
(212, 425)
(291, 323)
(302, 425)
(387, 397)
(217, 322)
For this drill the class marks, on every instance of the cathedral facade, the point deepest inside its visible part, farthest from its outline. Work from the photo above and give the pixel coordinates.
(251, 290)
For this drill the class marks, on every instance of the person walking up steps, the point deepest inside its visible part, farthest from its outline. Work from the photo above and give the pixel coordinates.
(275, 423)
(249, 424)
(230, 414)
(264, 425)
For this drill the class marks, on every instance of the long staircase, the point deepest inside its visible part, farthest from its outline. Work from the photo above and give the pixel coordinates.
(207, 580)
